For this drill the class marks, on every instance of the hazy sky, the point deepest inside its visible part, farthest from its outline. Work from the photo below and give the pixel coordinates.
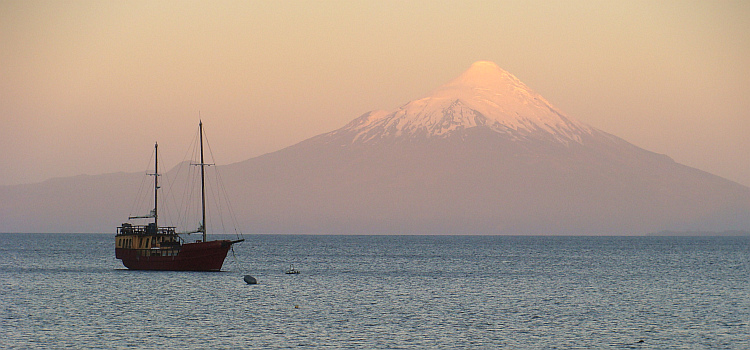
(87, 87)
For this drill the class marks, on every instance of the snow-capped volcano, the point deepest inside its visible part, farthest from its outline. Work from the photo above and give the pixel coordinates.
(482, 154)
(483, 96)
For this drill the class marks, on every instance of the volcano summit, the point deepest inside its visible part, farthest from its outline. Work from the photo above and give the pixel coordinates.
(482, 154)
(483, 96)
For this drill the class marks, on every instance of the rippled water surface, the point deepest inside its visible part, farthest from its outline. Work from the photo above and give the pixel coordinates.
(384, 292)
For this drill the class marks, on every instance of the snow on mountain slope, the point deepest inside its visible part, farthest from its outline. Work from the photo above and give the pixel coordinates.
(483, 96)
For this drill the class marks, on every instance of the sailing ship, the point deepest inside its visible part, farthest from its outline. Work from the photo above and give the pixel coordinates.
(154, 247)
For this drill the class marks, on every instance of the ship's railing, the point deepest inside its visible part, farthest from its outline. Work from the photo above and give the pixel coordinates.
(150, 229)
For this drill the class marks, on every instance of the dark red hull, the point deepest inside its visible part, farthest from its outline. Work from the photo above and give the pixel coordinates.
(200, 256)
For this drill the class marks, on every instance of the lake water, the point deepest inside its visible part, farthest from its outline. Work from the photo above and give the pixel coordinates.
(384, 292)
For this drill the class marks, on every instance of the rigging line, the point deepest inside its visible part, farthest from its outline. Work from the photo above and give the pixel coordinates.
(219, 206)
(170, 184)
(167, 207)
(186, 195)
(232, 216)
(216, 195)
(222, 189)
(213, 196)
(137, 201)
(163, 210)
(210, 190)
(179, 220)
(190, 211)
(141, 198)
(186, 199)
(237, 261)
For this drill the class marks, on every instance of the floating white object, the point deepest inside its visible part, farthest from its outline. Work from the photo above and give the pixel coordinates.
(291, 270)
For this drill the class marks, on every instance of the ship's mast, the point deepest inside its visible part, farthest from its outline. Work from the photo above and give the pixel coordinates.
(203, 182)
(156, 184)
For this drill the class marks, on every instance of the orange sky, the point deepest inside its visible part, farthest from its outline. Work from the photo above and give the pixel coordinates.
(87, 87)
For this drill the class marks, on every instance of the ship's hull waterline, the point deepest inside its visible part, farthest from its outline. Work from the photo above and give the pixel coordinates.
(199, 256)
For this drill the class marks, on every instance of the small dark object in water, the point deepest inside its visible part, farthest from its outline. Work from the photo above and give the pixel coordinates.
(250, 279)
(291, 270)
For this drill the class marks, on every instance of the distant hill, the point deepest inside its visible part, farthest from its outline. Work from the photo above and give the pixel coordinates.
(700, 234)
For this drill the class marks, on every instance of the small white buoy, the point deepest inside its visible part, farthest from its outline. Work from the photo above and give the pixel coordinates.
(250, 279)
